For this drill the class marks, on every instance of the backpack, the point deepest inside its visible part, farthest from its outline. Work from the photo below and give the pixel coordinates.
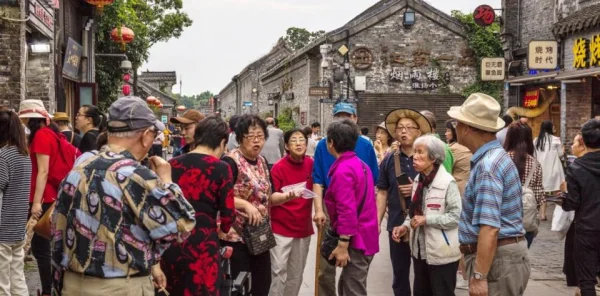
(63, 163)
(531, 222)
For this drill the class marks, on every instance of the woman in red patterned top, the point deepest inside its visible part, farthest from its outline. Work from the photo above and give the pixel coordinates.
(192, 267)
(519, 145)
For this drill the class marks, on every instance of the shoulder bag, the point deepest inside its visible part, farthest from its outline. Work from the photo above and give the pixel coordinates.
(331, 237)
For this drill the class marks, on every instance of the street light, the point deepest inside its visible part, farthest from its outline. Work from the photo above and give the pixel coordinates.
(409, 18)
(270, 101)
(39, 48)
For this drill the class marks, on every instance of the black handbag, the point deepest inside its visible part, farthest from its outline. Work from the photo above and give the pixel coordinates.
(331, 237)
(259, 239)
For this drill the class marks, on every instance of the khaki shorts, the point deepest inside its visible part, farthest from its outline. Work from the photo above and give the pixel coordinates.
(75, 284)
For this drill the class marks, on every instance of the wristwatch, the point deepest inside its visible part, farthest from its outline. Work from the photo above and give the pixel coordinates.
(479, 276)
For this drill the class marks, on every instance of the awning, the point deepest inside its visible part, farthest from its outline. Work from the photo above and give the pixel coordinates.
(578, 74)
(519, 79)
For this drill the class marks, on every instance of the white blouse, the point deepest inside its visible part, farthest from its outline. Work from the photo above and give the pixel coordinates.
(549, 158)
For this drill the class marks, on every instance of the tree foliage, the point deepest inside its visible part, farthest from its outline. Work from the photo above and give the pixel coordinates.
(152, 21)
(285, 120)
(484, 43)
(192, 102)
(297, 38)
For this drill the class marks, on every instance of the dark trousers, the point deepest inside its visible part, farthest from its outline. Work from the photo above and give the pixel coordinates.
(400, 256)
(259, 267)
(434, 280)
(587, 261)
(569, 261)
(40, 248)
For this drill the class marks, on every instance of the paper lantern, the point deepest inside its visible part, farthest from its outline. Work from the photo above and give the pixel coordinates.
(160, 106)
(151, 100)
(126, 89)
(181, 108)
(126, 77)
(122, 35)
(100, 3)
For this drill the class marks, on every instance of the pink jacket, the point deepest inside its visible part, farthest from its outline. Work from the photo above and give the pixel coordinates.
(343, 197)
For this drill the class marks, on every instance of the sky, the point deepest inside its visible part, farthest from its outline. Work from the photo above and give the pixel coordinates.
(227, 35)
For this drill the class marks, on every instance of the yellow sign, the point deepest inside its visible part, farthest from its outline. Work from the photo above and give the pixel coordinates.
(580, 53)
(542, 55)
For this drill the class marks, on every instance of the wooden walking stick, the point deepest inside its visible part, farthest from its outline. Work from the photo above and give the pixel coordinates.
(318, 259)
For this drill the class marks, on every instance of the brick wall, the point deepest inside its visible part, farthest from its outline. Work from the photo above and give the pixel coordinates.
(12, 57)
(40, 79)
(579, 102)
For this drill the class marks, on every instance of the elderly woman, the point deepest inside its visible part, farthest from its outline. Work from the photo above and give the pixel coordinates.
(207, 184)
(350, 202)
(433, 221)
(252, 190)
(383, 142)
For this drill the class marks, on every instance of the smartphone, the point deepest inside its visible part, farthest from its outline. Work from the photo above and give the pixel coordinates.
(403, 179)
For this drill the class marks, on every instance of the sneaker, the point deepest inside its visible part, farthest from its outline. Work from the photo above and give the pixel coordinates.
(461, 283)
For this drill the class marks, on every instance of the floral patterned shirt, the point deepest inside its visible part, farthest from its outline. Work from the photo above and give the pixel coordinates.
(114, 218)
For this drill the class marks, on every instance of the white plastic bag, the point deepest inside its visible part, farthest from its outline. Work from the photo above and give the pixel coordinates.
(561, 221)
(299, 189)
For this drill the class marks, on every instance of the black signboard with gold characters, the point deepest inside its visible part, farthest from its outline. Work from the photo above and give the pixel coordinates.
(72, 60)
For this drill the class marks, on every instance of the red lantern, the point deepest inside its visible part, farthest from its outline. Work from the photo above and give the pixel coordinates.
(100, 3)
(126, 77)
(160, 106)
(151, 100)
(181, 108)
(126, 89)
(122, 35)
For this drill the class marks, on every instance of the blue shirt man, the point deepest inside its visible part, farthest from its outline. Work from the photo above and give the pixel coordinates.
(322, 163)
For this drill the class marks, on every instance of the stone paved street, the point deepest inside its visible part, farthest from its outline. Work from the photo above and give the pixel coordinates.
(546, 278)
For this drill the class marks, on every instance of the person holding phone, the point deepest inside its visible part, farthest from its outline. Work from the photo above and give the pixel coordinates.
(394, 186)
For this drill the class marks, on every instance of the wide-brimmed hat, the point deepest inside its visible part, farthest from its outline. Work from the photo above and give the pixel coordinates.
(479, 111)
(391, 120)
(33, 109)
(61, 116)
(383, 127)
(191, 116)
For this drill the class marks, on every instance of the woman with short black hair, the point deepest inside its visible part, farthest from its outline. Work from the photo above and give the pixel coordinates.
(91, 122)
(252, 190)
(205, 181)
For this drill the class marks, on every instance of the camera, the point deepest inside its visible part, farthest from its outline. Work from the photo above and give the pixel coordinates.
(126, 66)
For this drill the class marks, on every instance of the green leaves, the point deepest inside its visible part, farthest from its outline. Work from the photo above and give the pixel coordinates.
(484, 43)
(297, 38)
(285, 120)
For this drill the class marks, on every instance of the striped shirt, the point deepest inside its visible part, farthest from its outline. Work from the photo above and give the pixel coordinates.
(15, 178)
(493, 195)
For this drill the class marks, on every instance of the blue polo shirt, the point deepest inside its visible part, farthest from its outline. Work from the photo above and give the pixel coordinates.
(323, 160)
(493, 195)
(387, 181)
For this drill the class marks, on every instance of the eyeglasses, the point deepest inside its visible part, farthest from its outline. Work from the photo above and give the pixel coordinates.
(254, 137)
(80, 115)
(298, 141)
(406, 128)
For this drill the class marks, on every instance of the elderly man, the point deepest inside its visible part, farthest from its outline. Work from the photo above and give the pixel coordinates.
(275, 145)
(187, 124)
(491, 229)
(323, 161)
(115, 217)
(394, 188)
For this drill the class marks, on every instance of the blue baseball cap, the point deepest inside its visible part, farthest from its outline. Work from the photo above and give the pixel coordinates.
(343, 108)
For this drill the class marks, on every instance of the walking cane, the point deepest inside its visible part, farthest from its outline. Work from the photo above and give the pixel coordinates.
(318, 259)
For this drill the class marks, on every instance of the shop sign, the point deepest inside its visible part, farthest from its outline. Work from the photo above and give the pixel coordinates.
(531, 99)
(419, 80)
(72, 59)
(484, 15)
(163, 119)
(586, 53)
(318, 91)
(362, 58)
(542, 55)
(492, 69)
(41, 17)
(303, 118)
(247, 104)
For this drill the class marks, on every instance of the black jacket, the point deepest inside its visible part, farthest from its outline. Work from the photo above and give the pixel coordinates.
(583, 183)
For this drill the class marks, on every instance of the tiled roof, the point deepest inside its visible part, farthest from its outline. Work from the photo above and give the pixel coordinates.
(579, 21)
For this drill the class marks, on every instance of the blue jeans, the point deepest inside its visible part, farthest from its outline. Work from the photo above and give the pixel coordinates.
(529, 236)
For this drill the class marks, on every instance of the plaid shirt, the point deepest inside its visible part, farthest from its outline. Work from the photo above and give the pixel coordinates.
(114, 218)
(536, 183)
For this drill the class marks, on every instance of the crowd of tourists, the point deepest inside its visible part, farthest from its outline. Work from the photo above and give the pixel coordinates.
(104, 213)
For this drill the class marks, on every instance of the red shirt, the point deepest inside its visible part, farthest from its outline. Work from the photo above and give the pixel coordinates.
(293, 218)
(45, 142)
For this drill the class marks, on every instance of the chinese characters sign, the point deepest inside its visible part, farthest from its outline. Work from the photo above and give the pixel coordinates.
(428, 80)
(531, 99)
(484, 15)
(492, 69)
(586, 53)
(72, 60)
(362, 58)
(542, 55)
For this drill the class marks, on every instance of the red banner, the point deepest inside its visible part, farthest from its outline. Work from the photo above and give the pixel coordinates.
(531, 99)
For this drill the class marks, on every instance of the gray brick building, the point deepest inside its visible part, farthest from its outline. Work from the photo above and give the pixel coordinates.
(570, 91)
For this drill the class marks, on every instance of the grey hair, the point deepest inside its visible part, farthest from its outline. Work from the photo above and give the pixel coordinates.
(436, 149)
(127, 134)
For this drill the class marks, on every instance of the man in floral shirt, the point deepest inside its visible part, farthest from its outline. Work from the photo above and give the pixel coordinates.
(114, 217)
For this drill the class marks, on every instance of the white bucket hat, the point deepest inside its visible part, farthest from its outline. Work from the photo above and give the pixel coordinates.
(479, 111)
(33, 109)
